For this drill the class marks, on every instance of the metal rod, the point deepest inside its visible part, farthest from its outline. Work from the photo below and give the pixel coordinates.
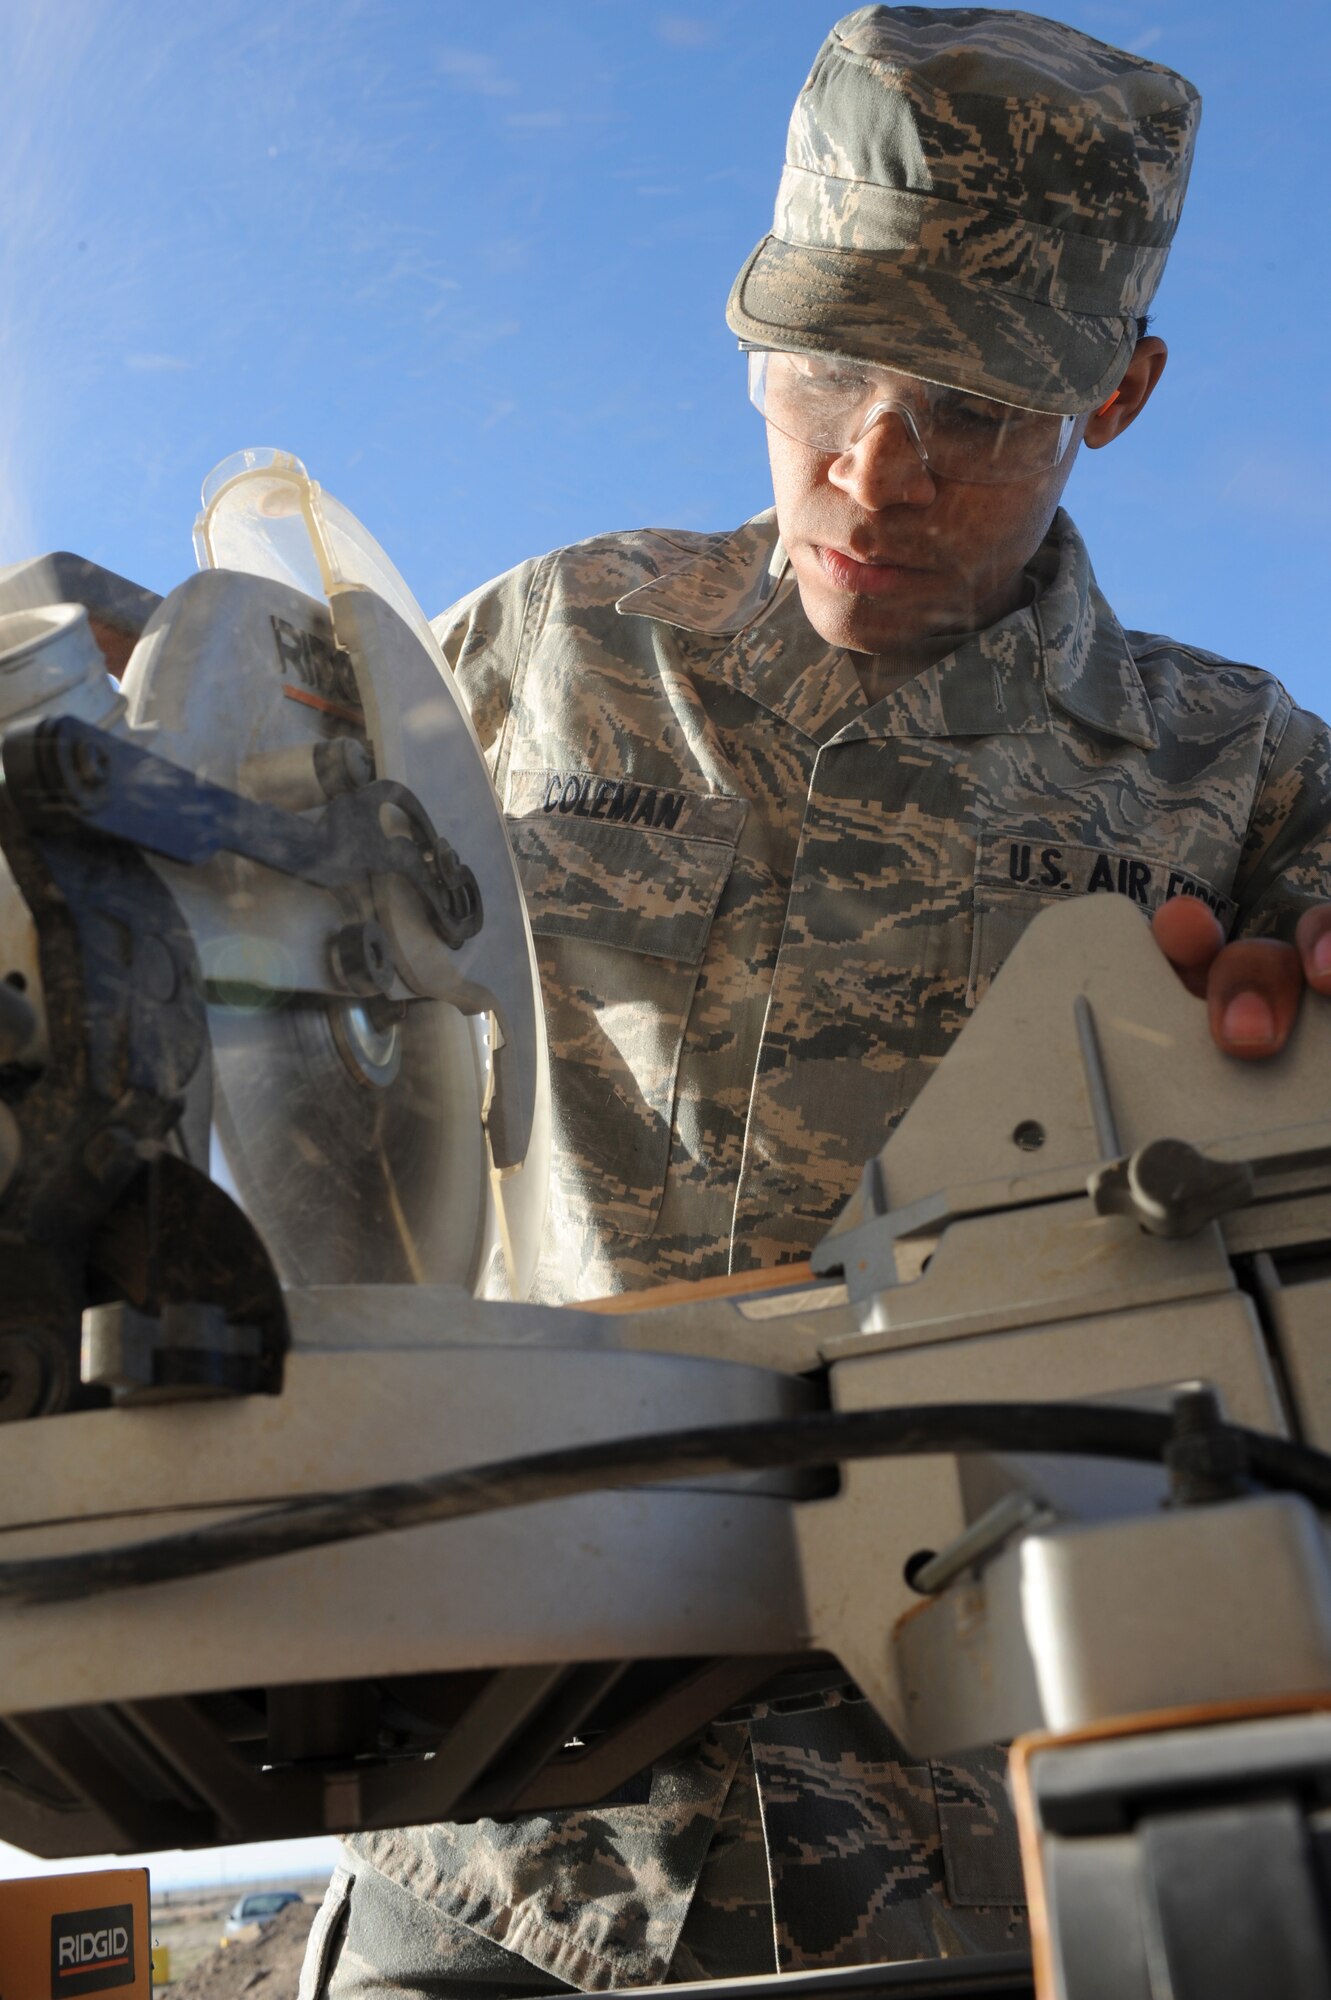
(989, 1532)
(1097, 1086)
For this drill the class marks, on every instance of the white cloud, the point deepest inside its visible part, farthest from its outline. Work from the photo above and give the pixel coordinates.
(489, 335)
(474, 70)
(1146, 40)
(159, 364)
(1279, 482)
(508, 253)
(685, 31)
(398, 267)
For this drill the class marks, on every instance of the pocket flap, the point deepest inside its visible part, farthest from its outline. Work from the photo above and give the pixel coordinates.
(981, 1852)
(640, 888)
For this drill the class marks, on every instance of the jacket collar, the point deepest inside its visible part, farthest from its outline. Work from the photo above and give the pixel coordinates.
(721, 591)
(1088, 665)
(1065, 644)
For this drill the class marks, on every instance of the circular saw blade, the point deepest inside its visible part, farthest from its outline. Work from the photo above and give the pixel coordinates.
(355, 1171)
(432, 1167)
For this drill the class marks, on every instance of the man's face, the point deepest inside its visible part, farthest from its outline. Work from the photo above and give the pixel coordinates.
(888, 556)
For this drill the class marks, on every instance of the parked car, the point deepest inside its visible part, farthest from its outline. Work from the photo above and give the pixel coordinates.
(258, 1908)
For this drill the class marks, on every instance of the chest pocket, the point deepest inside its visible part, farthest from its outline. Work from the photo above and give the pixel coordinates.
(1019, 873)
(621, 914)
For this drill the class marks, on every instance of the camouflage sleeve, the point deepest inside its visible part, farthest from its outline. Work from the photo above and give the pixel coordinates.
(482, 640)
(1286, 863)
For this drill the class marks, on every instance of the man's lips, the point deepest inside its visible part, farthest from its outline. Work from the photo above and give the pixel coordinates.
(866, 579)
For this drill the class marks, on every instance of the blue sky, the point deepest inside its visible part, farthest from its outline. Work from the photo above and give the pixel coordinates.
(470, 263)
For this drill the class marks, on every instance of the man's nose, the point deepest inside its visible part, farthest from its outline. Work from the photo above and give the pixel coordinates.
(883, 467)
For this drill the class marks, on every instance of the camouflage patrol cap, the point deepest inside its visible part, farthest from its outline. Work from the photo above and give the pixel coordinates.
(982, 198)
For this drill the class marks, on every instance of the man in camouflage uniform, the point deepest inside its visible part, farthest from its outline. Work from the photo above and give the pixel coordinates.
(783, 799)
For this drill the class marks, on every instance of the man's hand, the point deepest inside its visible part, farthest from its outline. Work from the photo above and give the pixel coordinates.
(1252, 988)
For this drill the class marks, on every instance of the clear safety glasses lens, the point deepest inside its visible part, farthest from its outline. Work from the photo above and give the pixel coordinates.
(830, 404)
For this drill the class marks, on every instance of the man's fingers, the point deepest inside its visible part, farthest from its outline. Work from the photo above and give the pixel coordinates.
(1190, 935)
(1313, 938)
(1252, 996)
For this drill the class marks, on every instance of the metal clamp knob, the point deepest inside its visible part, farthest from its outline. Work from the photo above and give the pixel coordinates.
(1170, 1188)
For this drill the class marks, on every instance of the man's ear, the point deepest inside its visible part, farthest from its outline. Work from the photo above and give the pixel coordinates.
(1132, 395)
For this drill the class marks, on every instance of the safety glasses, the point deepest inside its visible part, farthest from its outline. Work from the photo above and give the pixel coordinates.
(830, 404)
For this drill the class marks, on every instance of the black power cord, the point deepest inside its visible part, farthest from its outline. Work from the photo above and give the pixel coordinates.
(1083, 1430)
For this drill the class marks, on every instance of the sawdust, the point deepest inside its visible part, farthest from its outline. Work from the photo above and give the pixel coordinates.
(264, 1967)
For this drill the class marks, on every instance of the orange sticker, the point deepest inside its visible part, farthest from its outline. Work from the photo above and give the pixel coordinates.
(69, 1935)
(340, 709)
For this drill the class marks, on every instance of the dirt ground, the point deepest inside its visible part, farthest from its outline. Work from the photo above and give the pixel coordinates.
(264, 1965)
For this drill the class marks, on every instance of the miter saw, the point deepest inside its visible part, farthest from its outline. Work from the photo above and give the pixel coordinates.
(313, 1525)
(286, 749)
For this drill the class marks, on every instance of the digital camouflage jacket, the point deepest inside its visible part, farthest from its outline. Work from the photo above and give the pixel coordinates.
(763, 908)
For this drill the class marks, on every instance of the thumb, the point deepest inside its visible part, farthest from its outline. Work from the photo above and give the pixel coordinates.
(1190, 936)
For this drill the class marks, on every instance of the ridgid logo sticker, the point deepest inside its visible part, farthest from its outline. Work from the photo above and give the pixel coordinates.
(317, 674)
(92, 1951)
